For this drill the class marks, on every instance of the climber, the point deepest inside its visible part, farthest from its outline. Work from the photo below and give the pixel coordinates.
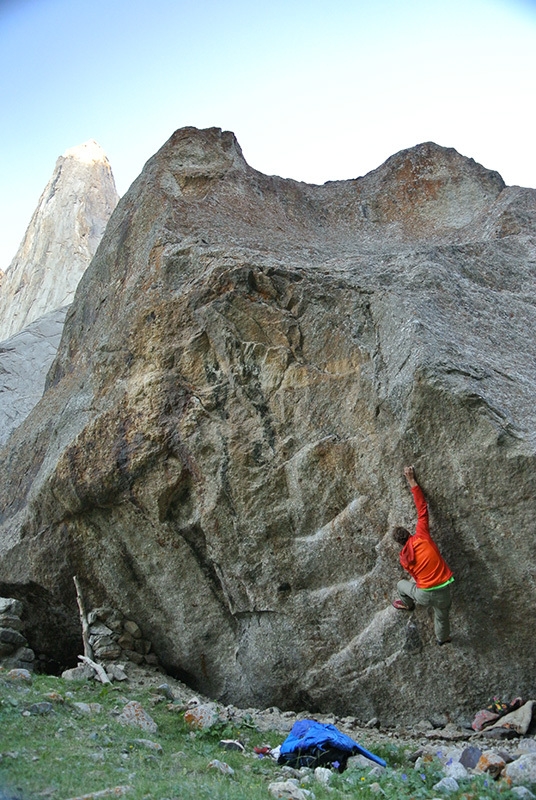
(430, 574)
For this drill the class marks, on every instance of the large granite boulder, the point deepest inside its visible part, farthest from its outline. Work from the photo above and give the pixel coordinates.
(248, 364)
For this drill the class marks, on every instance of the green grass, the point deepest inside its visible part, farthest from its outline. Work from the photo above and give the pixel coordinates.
(65, 754)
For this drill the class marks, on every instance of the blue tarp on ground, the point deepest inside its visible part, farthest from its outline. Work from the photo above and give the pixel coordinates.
(307, 735)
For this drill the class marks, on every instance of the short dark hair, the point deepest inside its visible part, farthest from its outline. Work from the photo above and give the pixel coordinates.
(401, 535)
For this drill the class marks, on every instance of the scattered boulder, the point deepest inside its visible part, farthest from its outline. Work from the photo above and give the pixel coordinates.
(41, 708)
(221, 766)
(288, 790)
(55, 697)
(81, 673)
(447, 785)
(522, 770)
(526, 745)
(523, 792)
(518, 720)
(203, 716)
(358, 762)
(456, 770)
(20, 675)
(134, 714)
(116, 672)
(490, 762)
(88, 708)
(323, 775)
(470, 757)
(164, 690)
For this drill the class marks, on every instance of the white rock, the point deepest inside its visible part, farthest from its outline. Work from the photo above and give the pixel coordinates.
(19, 674)
(518, 720)
(358, 762)
(88, 708)
(287, 789)
(455, 770)
(10, 606)
(522, 791)
(221, 766)
(323, 775)
(376, 771)
(447, 785)
(450, 755)
(375, 788)
(527, 745)
(116, 672)
(134, 714)
(203, 716)
(80, 673)
(522, 770)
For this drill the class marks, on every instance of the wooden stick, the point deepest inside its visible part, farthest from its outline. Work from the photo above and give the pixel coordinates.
(103, 677)
(88, 651)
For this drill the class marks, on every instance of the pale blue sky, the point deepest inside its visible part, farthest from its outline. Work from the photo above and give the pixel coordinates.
(313, 89)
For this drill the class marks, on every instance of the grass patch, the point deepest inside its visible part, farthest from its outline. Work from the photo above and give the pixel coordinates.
(67, 753)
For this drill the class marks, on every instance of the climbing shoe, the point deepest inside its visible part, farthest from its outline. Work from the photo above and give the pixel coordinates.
(400, 606)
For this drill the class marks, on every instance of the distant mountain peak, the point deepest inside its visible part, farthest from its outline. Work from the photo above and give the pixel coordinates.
(61, 239)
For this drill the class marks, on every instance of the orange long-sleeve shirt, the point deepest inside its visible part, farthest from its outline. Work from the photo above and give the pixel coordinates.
(420, 555)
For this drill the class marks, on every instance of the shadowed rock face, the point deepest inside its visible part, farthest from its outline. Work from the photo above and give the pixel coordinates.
(25, 359)
(248, 364)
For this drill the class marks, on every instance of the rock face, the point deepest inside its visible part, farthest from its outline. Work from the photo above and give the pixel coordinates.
(248, 364)
(62, 237)
(25, 359)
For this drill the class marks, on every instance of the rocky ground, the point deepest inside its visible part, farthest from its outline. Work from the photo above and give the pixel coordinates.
(501, 753)
(502, 749)
(427, 760)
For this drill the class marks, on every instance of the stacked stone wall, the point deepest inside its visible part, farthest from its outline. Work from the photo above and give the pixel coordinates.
(14, 650)
(112, 636)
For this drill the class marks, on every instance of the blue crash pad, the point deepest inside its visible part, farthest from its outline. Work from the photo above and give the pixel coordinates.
(307, 734)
